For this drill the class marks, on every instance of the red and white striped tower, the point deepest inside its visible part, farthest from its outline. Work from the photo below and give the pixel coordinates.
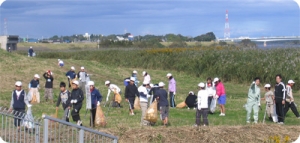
(227, 29)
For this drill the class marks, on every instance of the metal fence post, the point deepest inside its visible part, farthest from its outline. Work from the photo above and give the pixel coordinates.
(81, 136)
(37, 133)
(115, 141)
(46, 121)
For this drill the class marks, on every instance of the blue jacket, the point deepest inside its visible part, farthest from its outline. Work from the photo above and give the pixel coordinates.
(30, 51)
(163, 97)
(72, 74)
(95, 97)
(34, 83)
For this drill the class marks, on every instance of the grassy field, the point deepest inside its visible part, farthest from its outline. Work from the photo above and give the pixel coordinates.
(231, 128)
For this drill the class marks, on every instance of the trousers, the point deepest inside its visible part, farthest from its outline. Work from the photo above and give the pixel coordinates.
(252, 105)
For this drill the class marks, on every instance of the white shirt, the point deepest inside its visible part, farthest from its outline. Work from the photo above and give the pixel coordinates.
(211, 90)
(147, 78)
(113, 88)
(202, 99)
(61, 62)
(143, 90)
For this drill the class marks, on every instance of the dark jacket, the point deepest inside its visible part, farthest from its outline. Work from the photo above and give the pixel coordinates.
(95, 97)
(30, 51)
(77, 94)
(64, 98)
(71, 73)
(34, 83)
(163, 97)
(49, 81)
(280, 92)
(190, 101)
(19, 103)
(131, 91)
(153, 91)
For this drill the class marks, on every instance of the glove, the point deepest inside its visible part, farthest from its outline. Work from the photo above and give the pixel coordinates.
(253, 82)
(72, 101)
(258, 104)
(75, 101)
(216, 96)
(29, 105)
(76, 110)
(80, 79)
(98, 104)
(174, 93)
(69, 77)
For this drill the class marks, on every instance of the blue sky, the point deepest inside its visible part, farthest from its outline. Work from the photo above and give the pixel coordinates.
(254, 18)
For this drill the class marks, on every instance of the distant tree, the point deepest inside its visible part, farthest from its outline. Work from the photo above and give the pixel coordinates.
(210, 36)
(178, 44)
(247, 43)
(222, 43)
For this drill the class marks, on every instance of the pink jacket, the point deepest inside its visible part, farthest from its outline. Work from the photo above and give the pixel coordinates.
(220, 89)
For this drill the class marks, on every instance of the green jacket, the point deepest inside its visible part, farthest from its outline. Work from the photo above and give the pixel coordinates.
(254, 93)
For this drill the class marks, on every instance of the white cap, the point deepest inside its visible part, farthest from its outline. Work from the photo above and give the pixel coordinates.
(267, 85)
(145, 83)
(82, 68)
(91, 83)
(75, 82)
(151, 85)
(127, 80)
(58, 59)
(201, 84)
(134, 71)
(72, 68)
(169, 74)
(132, 78)
(30, 47)
(161, 84)
(107, 82)
(18, 83)
(291, 81)
(191, 92)
(36, 76)
(216, 79)
(144, 72)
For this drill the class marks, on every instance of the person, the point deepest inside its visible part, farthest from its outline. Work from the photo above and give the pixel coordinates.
(253, 101)
(115, 89)
(210, 87)
(162, 97)
(147, 78)
(172, 90)
(280, 98)
(77, 98)
(190, 100)
(60, 63)
(18, 103)
(9, 50)
(269, 97)
(96, 98)
(143, 94)
(134, 74)
(34, 86)
(221, 95)
(126, 82)
(48, 85)
(154, 88)
(64, 98)
(130, 92)
(82, 76)
(202, 105)
(71, 75)
(30, 52)
(290, 99)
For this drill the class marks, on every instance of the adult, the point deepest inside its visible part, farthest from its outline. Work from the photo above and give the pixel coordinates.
(269, 97)
(34, 86)
(202, 106)
(18, 101)
(253, 101)
(143, 93)
(190, 100)
(172, 90)
(30, 52)
(115, 89)
(290, 99)
(221, 95)
(64, 98)
(82, 76)
(131, 92)
(210, 87)
(60, 63)
(96, 98)
(48, 85)
(162, 97)
(71, 75)
(77, 98)
(147, 78)
(280, 98)
(134, 75)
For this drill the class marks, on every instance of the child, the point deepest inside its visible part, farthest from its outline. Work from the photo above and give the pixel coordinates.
(269, 97)
(190, 100)
(60, 63)
(64, 98)
(202, 109)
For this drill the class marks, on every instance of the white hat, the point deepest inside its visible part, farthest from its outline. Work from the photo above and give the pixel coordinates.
(134, 71)
(169, 74)
(18, 83)
(151, 85)
(145, 83)
(132, 78)
(91, 83)
(127, 80)
(144, 72)
(107, 82)
(75, 82)
(291, 81)
(58, 59)
(216, 79)
(201, 84)
(72, 68)
(30, 47)
(161, 84)
(82, 68)
(36, 76)
(191, 92)
(267, 85)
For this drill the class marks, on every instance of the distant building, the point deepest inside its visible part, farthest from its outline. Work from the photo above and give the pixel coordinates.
(130, 37)
(9, 41)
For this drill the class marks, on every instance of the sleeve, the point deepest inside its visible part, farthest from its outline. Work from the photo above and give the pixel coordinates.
(284, 91)
(44, 75)
(67, 74)
(78, 75)
(12, 100)
(174, 85)
(137, 92)
(258, 94)
(69, 99)
(288, 90)
(51, 77)
(126, 92)
(59, 100)
(26, 100)
(108, 93)
(81, 96)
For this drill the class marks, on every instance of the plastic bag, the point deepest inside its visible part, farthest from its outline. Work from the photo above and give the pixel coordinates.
(213, 105)
(274, 116)
(181, 105)
(27, 121)
(137, 103)
(151, 113)
(118, 97)
(100, 118)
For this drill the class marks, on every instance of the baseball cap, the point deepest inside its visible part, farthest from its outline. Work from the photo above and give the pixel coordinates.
(145, 83)
(134, 71)
(267, 85)
(161, 84)
(216, 79)
(132, 78)
(191, 92)
(107, 82)
(91, 83)
(201, 84)
(82, 68)
(75, 82)
(169, 74)
(18, 83)
(72, 68)
(291, 81)
(36, 76)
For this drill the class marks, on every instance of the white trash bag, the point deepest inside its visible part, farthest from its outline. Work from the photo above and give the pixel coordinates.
(28, 120)
(213, 105)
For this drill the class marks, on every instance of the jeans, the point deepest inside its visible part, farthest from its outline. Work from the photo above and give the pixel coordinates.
(172, 99)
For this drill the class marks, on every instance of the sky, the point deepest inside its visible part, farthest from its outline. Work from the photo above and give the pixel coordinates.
(251, 18)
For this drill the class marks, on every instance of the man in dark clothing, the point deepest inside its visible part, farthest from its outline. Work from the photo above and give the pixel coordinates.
(96, 98)
(71, 75)
(77, 98)
(190, 100)
(30, 52)
(64, 98)
(48, 85)
(280, 98)
(162, 96)
(18, 101)
(130, 92)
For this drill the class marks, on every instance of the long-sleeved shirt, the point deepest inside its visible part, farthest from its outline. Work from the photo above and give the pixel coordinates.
(131, 91)
(34, 83)
(289, 93)
(19, 99)
(279, 92)
(202, 99)
(190, 101)
(172, 85)
(147, 79)
(211, 89)
(49, 81)
(269, 97)
(112, 88)
(163, 97)
(254, 93)
(30, 51)
(64, 98)
(95, 97)
(71, 74)
(220, 89)
(143, 94)
(77, 94)
(82, 76)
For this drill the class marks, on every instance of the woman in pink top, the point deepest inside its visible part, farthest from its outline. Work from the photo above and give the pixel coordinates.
(221, 95)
